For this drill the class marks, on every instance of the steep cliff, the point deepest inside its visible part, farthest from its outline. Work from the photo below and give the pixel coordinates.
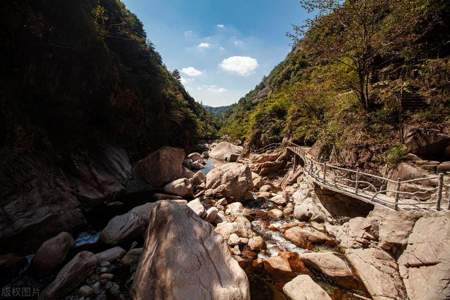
(83, 94)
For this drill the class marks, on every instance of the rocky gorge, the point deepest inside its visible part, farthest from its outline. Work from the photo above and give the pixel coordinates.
(329, 180)
(234, 230)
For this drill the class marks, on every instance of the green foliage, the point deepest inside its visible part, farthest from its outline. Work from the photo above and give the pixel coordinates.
(96, 79)
(316, 92)
(395, 155)
(268, 120)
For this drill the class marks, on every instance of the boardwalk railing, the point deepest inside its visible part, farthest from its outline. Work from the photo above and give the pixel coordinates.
(429, 193)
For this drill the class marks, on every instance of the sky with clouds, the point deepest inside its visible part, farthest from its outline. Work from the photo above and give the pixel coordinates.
(222, 48)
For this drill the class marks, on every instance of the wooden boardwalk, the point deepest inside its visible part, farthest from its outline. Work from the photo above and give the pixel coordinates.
(427, 193)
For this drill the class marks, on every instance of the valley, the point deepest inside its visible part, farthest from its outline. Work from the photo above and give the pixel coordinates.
(329, 180)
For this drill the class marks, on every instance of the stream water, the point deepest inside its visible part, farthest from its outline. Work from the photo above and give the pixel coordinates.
(263, 286)
(211, 163)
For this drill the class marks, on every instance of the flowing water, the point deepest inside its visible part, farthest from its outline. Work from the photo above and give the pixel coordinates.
(275, 241)
(263, 286)
(211, 163)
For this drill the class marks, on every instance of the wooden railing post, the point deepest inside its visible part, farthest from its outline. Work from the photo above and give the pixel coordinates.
(397, 194)
(440, 188)
(324, 172)
(448, 196)
(357, 180)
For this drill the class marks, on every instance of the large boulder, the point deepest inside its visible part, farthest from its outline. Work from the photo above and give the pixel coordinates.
(123, 227)
(307, 237)
(332, 266)
(111, 254)
(52, 253)
(279, 267)
(358, 232)
(427, 143)
(181, 187)
(144, 210)
(303, 287)
(37, 203)
(184, 259)
(309, 210)
(394, 227)
(379, 273)
(162, 166)
(425, 263)
(407, 171)
(225, 150)
(233, 180)
(71, 276)
(101, 174)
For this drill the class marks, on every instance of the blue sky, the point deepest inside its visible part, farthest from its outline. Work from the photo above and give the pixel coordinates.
(223, 48)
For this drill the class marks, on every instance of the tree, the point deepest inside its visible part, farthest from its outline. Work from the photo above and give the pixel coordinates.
(176, 74)
(346, 31)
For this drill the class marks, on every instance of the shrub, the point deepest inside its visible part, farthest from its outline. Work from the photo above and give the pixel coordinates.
(395, 155)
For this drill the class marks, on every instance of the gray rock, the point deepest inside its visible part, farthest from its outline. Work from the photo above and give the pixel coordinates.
(425, 263)
(212, 215)
(256, 243)
(308, 210)
(184, 259)
(181, 187)
(110, 255)
(303, 287)
(52, 253)
(332, 266)
(197, 207)
(70, 276)
(235, 209)
(123, 227)
(224, 149)
(231, 180)
(132, 256)
(162, 166)
(86, 291)
(379, 273)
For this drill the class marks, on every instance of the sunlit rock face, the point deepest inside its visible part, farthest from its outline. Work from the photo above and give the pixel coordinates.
(185, 259)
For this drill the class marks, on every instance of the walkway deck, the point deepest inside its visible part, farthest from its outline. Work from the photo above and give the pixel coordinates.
(428, 193)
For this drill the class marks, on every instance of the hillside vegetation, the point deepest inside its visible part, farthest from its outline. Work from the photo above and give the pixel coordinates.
(358, 75)
(80, 73)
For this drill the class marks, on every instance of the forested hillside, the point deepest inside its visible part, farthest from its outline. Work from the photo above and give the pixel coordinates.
(84, 95)
(218, 111)
(357, 77)
(83, 71)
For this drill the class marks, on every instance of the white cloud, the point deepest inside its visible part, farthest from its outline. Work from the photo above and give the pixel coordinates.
(191, 72)
(241, 65)
(220, 26)
(216, 89)
(185, 80)
(212, 89)
(204, 45)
